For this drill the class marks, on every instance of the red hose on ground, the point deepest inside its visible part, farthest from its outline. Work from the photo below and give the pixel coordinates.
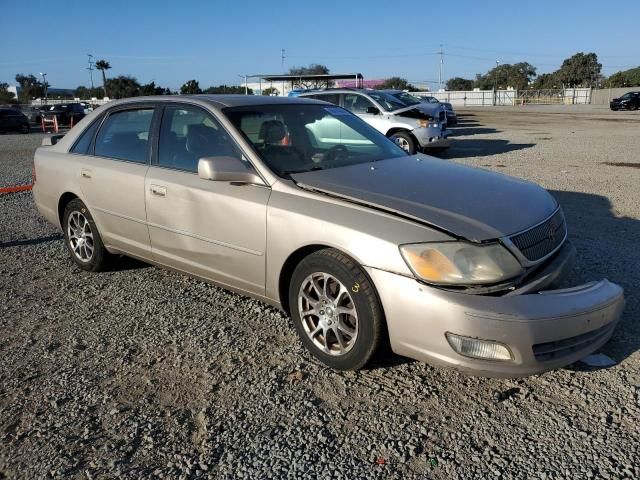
(17, 188)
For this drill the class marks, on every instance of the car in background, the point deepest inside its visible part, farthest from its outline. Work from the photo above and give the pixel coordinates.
(452, 116)
(13, 120)
(628, 101)
(414, 128)
(33, 113)
(410, 99)
(66, 113)
(303, 205)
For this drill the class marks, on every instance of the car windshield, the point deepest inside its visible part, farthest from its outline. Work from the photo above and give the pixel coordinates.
(388, 101)
(407, 98)
(626, 95)
(299, 138)
(431, 99)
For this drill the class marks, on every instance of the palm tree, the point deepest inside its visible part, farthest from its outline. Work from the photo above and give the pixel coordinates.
(103, 65)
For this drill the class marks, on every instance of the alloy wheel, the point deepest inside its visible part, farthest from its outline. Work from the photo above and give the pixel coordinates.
(80, 236)
(328, 313)
(402, 143)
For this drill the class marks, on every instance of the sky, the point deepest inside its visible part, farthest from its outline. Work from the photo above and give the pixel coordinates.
(216, 41)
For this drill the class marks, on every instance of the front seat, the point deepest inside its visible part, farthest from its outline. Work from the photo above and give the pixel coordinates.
(278, 152)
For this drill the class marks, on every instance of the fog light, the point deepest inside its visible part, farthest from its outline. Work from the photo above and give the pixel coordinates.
(474, 348)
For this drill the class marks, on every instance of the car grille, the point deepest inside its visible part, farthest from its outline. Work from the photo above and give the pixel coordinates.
(562, 348)
(541, 240)
(442, 116)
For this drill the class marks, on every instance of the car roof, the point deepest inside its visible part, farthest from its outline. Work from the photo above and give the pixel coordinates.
(222, 101)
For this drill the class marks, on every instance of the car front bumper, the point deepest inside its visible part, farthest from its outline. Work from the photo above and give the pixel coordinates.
(433, 137)
(543, 330)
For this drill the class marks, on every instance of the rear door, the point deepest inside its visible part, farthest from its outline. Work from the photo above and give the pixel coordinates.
(213, 229)
(112, 175)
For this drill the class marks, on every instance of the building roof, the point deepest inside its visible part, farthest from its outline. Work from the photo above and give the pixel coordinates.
(331, 76)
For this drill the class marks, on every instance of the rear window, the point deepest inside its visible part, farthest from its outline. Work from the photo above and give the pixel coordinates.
(84, 141)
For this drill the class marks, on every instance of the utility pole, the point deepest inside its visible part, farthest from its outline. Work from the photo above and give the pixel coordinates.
(495, 84)
(246, 87)
(44, 85)
(90, 68)
(282, 57)
(441, 52)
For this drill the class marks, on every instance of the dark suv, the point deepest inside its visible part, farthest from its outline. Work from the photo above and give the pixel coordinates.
(628, 101)
(65, 112)
(12, 119)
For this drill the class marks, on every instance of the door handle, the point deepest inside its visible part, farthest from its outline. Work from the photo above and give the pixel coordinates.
(158, 190)
(85, 172)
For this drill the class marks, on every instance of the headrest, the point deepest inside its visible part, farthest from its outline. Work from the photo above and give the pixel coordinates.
(273, 132)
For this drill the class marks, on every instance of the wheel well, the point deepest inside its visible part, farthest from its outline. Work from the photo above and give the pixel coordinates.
(289, 266)
(62, 204)
(398, 129)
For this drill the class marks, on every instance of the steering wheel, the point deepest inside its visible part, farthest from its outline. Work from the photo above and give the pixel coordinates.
(337, 152)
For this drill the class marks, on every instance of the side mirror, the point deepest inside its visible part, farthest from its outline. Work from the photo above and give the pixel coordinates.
(373, 110)
(227, 169)
(51, 140)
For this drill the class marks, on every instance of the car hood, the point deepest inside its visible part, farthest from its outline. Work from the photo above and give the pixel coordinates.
(430, 109)
(467, 202)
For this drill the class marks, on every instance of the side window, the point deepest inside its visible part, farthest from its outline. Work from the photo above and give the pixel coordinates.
(328, 97)
(188, 134)
(125, 135)
(84, 140)
(356, 103)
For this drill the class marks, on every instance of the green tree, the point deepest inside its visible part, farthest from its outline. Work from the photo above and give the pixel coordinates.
(103, 66)
(190, 88)
(459, 83)
(580, 70)
(547, 81)
(396, 83)
(152, 89)
(5, 95)
(271, 91)
(123, 86)
(313, 69)
(30, 87)
(228, 89)
(626, 78)
(86, 93)
(517, 75)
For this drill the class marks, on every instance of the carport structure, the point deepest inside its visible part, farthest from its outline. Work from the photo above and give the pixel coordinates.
(316, 80)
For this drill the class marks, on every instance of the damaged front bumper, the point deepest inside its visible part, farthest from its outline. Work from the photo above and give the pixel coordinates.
(542, 329)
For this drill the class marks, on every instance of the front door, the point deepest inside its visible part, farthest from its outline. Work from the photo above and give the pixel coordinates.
(359, 104)
(213, 229)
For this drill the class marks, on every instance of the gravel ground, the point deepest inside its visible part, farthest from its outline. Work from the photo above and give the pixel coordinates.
(143, 373)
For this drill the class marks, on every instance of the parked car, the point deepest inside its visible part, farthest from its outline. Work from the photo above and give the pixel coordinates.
(66, 113)
(33, 113)
(303, 205)
(628, 101)
(452, 116)
(13, 120)
(412, 127)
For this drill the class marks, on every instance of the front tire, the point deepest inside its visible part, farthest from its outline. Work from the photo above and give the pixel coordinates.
(405, 141)
(25, 128)
(82, 237)
(335, 310)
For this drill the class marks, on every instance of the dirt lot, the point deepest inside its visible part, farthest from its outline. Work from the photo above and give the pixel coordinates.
(143, 373)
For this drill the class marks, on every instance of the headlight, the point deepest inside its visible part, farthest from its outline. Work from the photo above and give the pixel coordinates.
(424, 123)
(460, 263)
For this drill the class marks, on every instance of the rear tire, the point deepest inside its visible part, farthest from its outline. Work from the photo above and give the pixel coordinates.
(405, 141)
(82, 237)
(335, 310)
(25, 128)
